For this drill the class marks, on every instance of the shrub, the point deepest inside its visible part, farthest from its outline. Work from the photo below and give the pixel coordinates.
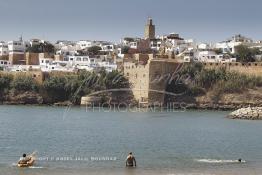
(5, 81)
(55, 87)
(24, 83)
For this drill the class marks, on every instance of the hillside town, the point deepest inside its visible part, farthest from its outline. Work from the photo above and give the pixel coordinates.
(70, 56)
(149, 64)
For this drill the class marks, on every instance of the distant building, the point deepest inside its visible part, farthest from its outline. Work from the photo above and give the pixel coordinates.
(84, 44)
(130, 42)
(16, 47)
(3, 50)
(150, 29)
(4, 63)
(229, 45)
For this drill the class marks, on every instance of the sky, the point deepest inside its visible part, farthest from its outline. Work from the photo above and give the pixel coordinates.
(203, 20)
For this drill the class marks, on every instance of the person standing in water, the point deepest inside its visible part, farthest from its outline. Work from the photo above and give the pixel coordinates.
(130, 160)
(24, 159)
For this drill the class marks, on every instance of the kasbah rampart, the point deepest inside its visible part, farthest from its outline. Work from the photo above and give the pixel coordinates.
(150, 74)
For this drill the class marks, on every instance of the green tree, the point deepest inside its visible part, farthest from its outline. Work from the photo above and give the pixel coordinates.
(218, 51)
(42, 47)
(125, 49)
(94, 50)
(34, 49)
(55, 87)
(245, 54)
(5, 82)
(116, 80)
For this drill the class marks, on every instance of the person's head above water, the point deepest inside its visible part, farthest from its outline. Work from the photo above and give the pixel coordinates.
(239, 160)
(130, 153)
(24, 155)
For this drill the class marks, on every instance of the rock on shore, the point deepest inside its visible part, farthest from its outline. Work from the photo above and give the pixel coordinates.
(250, 113)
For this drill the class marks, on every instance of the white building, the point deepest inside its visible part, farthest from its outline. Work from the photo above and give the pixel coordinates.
(67, 50)
(84, 44)
(16, 47)
(109, 67)
(204, 46)
(34, 42)
(212, 57)
(3, 49)
(172, 43)
(108, 47)
(4, 63)
(89, 64)
(229, 45)
(130, 42)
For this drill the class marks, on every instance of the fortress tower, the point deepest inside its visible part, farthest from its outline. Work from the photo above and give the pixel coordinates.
(150, 29)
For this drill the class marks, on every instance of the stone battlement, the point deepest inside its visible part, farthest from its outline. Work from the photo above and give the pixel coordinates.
(254, 68)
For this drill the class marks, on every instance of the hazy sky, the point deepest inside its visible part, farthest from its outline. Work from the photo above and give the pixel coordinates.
(204, 20)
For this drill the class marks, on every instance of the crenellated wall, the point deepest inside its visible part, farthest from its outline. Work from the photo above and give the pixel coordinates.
(245, 68)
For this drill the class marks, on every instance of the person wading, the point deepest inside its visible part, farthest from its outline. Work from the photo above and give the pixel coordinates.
(130, 160)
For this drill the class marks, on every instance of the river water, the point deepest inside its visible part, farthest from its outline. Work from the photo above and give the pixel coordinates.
(79, 141)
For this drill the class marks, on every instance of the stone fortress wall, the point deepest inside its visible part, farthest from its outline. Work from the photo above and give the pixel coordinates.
(244, 68)
(150, 79)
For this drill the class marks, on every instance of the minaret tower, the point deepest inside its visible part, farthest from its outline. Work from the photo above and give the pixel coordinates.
(150, 29)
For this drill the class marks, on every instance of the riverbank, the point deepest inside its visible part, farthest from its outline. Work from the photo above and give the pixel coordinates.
(232, 101)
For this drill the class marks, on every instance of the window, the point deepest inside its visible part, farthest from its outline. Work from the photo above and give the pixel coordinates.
(85, 59)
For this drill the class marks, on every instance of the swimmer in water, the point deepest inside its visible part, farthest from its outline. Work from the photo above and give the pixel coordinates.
(130, 160)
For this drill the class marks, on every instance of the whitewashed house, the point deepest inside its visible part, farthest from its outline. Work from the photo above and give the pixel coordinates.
(3, 49)
(4, 64)
(212, 57)
(84, 44)
(16, 47)
(229, 46)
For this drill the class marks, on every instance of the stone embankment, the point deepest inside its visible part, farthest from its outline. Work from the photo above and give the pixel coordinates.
(250, 113)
